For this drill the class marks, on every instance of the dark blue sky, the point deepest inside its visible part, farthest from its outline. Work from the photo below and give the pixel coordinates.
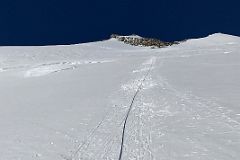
(45, 22)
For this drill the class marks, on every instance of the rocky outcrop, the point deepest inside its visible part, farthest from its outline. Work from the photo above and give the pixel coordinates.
(140, 41)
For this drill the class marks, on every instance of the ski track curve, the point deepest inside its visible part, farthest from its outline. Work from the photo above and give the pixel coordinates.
(54, 67)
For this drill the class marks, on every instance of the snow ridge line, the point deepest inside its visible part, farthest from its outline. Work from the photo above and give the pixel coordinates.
(130, 108)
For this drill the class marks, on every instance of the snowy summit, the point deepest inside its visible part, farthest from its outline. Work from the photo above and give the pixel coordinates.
(110, 100)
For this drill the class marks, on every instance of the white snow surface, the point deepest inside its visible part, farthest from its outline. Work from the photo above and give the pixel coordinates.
(69, 102)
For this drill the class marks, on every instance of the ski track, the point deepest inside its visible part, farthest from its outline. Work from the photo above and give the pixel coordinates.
(48, 68)
(53, 67)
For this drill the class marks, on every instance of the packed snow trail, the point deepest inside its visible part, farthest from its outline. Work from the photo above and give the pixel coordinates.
(130, 108)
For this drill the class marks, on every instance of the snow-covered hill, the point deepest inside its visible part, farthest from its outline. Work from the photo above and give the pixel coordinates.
(73, 102)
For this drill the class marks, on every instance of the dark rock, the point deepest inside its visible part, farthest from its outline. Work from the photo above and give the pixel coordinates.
(139, 41)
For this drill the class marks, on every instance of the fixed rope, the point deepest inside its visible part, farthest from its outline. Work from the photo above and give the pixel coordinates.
(129, 110)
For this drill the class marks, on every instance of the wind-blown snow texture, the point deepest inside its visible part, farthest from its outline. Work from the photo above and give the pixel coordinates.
(70, 102)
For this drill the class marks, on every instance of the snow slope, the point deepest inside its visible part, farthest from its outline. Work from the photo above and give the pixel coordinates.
(73, 102)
